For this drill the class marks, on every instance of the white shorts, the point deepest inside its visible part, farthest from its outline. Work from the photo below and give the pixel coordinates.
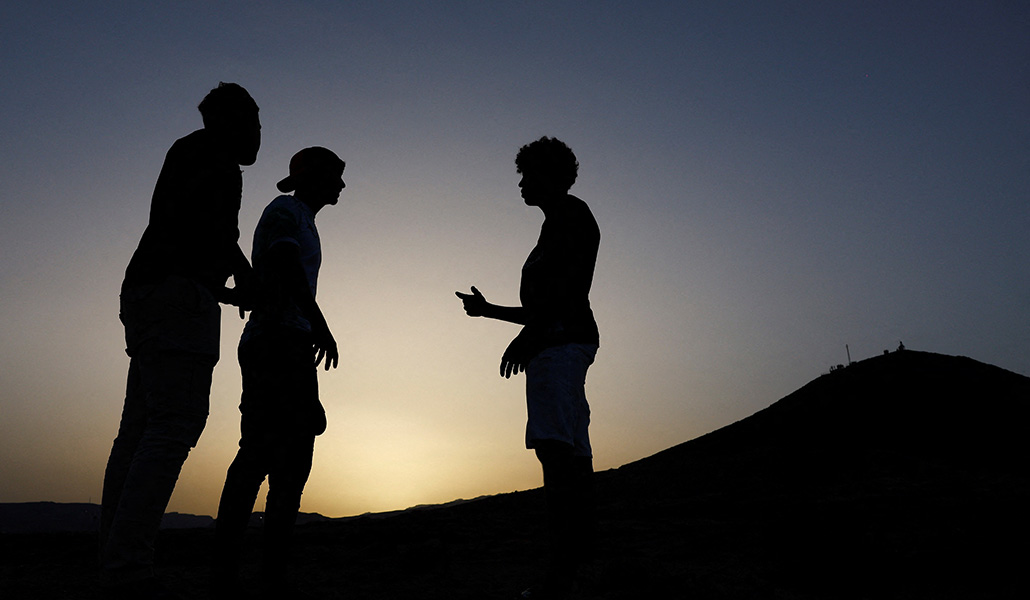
(556, 396)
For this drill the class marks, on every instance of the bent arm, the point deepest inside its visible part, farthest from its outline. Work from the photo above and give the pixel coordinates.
(290, 282)
(475, 305)
(242, 293)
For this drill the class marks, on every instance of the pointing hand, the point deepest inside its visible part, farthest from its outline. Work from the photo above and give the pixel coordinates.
(474, 304)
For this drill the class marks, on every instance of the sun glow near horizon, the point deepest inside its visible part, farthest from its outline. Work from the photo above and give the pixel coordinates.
(761, 202)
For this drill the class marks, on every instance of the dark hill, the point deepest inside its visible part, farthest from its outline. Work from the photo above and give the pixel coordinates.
(902, 476)
(886, 414)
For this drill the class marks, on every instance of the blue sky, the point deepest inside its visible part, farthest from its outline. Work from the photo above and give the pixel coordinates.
(772, 181)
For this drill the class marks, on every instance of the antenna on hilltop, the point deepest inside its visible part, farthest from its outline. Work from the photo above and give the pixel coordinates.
(848, 350)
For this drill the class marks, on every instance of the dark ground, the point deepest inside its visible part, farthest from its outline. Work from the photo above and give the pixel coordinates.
(903, 476)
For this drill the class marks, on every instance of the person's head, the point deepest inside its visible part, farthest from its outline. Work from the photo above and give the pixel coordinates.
(232, 116)
(316, 177)
(548, 168)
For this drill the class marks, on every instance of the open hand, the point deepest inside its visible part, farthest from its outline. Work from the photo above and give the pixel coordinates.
(515, 357)
(324, 346)
(239, 297)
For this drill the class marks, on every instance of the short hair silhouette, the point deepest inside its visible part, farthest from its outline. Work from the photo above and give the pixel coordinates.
(550, 157)
(169, 305)
(225, 103)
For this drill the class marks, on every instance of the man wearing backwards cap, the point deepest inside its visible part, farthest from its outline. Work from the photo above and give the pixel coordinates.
(281, 347)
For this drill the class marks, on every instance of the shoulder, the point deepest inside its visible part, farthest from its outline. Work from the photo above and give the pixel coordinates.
(285, 204)
(282, 210)
(194, 155)
(279, 222)
(195, 144)
(579, 217)
(577, 205)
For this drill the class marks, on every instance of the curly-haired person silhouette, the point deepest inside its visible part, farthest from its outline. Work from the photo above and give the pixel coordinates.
(555, 347)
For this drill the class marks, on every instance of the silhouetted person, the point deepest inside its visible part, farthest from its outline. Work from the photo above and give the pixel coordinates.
(557, 344)
(282, 345)
(169, 306)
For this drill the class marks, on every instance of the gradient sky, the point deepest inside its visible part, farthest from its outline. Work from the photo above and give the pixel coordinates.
(773, 180)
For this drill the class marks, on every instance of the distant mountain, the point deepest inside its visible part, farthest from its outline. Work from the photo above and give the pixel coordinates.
(52, 517)
(904, 476)
(33, 517)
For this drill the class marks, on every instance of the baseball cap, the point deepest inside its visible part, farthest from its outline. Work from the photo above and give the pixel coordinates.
(308, 162)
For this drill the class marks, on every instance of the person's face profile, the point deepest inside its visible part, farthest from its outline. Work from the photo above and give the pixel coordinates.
(537, 187)
(324, 188)
(528, 188)
(247, 136)
(333, 185)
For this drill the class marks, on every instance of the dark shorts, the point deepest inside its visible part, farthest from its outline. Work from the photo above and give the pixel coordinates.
(280, 386)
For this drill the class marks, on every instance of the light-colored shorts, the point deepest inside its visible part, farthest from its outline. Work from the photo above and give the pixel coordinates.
(556, 396)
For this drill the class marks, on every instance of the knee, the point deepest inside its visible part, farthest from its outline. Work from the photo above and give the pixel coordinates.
(557, 461)
(553, 451)
(175, 428)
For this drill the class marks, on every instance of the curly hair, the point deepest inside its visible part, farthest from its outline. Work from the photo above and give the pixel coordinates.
(226, 103)
(551, 157)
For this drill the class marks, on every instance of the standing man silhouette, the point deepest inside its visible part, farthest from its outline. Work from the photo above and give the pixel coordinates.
(555, 347)
(169, 306)
(282, 345)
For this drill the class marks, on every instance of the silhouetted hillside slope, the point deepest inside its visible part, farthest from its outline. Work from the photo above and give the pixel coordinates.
(902, 476)
(905, 475)
(906, 406)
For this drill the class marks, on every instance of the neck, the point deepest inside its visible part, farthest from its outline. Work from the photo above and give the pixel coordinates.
(314, 205)
(220, 144)
(552, 203)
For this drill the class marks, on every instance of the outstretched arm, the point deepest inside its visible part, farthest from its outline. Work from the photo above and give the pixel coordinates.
(521, 349)
(284, 261)
(475, 305)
